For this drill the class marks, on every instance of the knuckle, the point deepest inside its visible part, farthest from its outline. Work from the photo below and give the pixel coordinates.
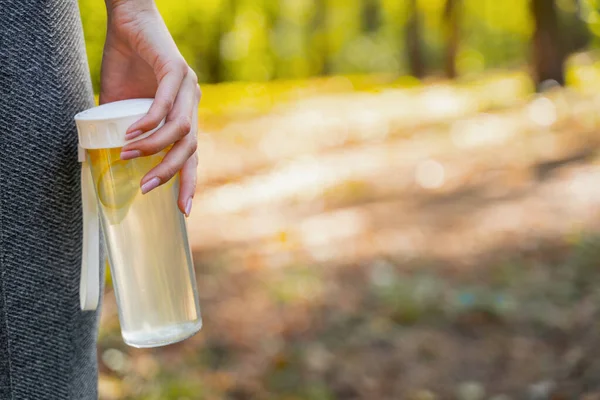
(198, 92)
(191, 147)
(169, 65)
(182, 66)
(185, 124)
(192, 143)
(192, 75)
(168, 171)
(165, 104)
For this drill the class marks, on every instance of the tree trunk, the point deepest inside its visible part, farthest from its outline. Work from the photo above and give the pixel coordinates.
(452, 30)
(579, 35)
(371, 15)
(414, 52)
(214, 61)
(321, 36)
(215, 66)
(548, 55)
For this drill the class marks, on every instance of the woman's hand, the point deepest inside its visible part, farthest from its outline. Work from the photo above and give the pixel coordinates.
(141, 60)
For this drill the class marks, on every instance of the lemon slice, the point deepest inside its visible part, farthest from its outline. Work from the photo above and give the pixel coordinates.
(117, 189)
(143, 165)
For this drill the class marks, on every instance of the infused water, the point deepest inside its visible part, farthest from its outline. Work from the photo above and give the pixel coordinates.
(149, 254)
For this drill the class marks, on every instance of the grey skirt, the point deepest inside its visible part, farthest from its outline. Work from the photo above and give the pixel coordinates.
(47, 345)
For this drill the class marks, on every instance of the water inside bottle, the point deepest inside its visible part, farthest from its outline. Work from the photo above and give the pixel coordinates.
(148, 249)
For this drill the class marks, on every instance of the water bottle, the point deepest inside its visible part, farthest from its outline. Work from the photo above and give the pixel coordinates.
(145, 234)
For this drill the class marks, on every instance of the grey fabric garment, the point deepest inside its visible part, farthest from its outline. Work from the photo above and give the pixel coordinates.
(47, 345)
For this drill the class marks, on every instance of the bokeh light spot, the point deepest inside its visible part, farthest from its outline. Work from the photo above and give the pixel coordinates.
(430, 174)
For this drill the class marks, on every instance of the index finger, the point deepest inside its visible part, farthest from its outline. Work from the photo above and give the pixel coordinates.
(168, 87)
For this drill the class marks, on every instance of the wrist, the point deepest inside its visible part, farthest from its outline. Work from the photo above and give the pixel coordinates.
(128, 6)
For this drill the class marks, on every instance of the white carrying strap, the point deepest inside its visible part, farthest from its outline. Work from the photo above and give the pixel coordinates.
(89, 284)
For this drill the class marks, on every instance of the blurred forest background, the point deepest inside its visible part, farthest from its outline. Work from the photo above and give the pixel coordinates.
(398, 199)
(262, 40)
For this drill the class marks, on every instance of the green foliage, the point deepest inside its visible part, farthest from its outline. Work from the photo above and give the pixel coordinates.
(408, 298)
(93, 17)
(260, 40)
(171, 388)
(295, 284)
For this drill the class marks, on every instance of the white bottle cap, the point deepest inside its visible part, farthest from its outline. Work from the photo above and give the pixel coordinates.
(104, 127)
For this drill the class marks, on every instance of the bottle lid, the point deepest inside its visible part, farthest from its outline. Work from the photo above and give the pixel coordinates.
(104, 126)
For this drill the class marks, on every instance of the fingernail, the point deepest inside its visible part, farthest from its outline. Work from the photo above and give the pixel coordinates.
(188, 207)
(151, 184)
(129, 154)
(133, 134)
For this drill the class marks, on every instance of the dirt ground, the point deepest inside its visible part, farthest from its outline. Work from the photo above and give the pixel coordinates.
(432, 243)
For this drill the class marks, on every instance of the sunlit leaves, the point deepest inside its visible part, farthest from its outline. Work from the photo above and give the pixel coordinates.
(274, 39)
